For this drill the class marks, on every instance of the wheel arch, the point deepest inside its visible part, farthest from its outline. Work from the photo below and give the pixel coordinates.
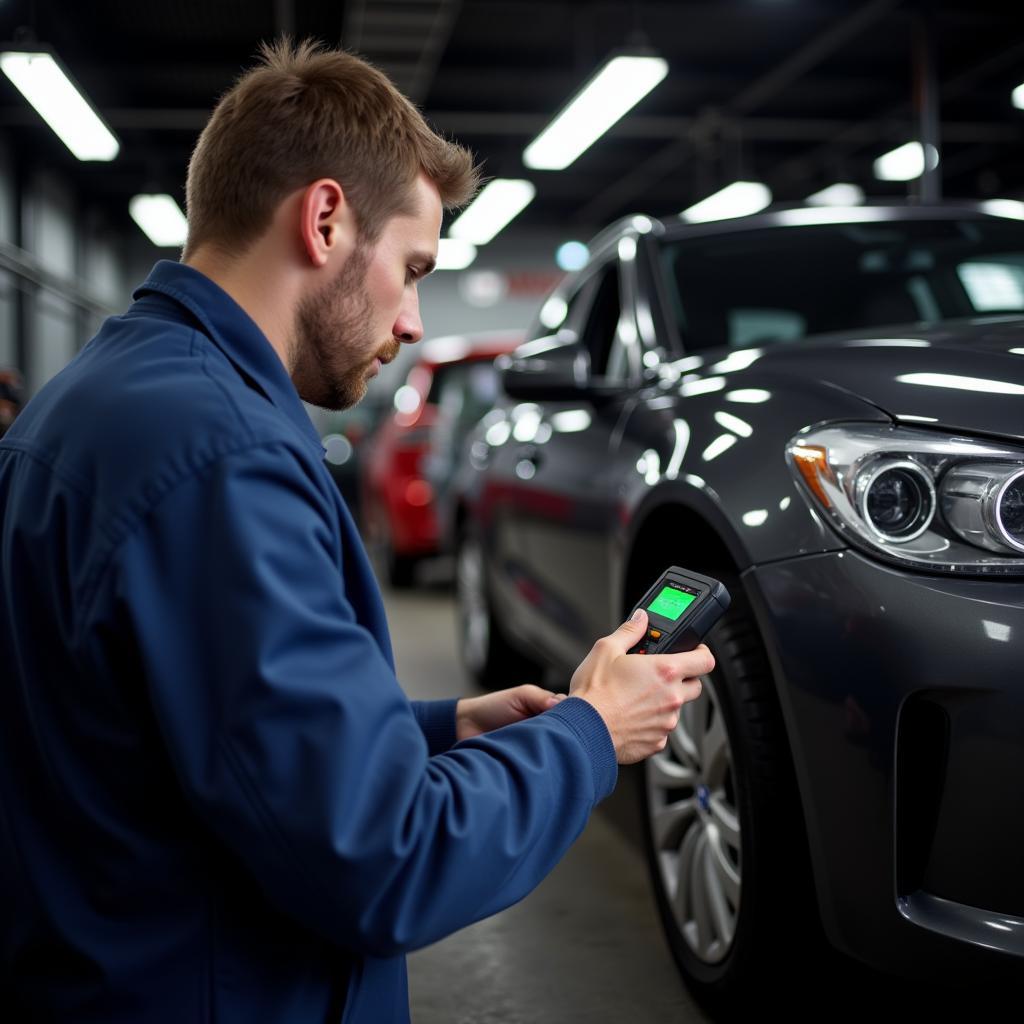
(707, 545)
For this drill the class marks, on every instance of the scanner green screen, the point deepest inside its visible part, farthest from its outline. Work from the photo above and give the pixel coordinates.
(671, 603)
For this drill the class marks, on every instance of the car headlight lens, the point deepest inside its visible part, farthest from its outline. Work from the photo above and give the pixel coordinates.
(896, 498)
(917, 497)
(985, 505)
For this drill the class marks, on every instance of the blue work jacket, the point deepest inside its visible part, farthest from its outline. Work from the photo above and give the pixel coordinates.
(216, 803)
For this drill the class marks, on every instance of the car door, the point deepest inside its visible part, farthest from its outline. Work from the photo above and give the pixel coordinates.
(567, 481)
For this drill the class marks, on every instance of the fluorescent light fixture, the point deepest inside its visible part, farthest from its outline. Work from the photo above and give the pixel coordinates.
(905, 162)
(45, 84)
(499, 202)
(1012, 208)
(739, 199)
(840, 194)
(1018, 97)
(160, 218)
(615, 89)
(454, 254)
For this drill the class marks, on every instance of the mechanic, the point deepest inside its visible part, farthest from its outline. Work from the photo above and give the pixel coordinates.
(216, 804)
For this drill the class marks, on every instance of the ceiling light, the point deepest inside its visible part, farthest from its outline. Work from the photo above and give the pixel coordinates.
(905, 162)
(736, 200)
(45, 84)
(614, 90)
(454, 254)
(160, 218)
(500, 201)
(840, 194)
(1018, 97)
(1012, 208)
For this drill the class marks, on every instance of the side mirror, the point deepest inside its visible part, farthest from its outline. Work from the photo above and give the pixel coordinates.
(559, 375)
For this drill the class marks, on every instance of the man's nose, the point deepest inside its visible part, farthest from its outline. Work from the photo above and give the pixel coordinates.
(408, 327)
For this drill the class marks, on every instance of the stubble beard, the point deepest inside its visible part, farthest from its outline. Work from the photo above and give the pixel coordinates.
(332, 329)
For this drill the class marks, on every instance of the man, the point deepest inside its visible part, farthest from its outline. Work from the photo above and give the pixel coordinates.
(216, 804)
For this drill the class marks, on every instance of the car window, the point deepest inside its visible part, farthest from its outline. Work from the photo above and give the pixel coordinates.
(463, 393)
(776, 284)
(994, 285)
(601, 326)
(560, 310)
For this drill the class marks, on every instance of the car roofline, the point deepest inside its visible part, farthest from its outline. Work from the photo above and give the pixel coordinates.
(793, 215)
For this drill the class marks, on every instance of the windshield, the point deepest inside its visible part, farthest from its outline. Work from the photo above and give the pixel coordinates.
(779, 284)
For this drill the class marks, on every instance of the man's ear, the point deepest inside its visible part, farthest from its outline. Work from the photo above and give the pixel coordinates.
(326, 223)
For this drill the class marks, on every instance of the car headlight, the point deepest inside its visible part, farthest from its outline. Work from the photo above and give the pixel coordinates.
(917, 497)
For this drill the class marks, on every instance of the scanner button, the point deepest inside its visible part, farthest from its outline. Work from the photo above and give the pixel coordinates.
(655, 634)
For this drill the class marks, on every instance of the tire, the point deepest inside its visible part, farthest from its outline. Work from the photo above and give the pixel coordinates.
(400, 570)
(490, 661)
(721, 812)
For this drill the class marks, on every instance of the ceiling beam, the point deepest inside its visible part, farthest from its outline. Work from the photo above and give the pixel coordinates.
(857, 135)
(755, 95)
(525, 125)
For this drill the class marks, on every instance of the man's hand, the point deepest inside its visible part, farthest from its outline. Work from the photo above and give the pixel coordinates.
(476, 715)
(638, 696)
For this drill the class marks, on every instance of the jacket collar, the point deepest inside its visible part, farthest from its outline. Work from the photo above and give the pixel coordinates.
(235, 333)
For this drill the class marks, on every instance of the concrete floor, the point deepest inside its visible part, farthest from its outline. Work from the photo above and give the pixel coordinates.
(586, 945)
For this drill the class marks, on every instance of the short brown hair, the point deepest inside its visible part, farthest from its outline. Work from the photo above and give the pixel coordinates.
(307, 112)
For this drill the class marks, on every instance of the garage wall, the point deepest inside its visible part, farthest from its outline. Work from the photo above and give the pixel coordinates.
(522, 270)
(47, 227)
(63, 269)
(502, 288)
(48, 211)
(8, 235)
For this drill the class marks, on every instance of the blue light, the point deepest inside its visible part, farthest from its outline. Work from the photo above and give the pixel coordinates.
(572, 256)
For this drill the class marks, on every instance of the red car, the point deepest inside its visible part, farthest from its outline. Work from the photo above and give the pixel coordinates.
(412, 458)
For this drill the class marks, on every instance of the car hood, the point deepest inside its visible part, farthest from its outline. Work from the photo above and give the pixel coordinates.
(967, 376)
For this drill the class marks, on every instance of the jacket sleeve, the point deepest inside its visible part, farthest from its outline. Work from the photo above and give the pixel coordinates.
(292, 738)
(437, 720)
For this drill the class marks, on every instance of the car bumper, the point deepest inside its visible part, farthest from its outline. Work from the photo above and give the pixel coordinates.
(903, 696)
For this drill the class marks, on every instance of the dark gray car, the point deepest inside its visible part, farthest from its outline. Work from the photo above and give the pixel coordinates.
(824, 409)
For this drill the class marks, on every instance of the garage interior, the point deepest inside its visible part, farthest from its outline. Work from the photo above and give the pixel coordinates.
(793, 96)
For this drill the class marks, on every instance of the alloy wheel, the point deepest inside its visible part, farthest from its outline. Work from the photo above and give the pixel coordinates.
(694, 822)
(472, 603)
